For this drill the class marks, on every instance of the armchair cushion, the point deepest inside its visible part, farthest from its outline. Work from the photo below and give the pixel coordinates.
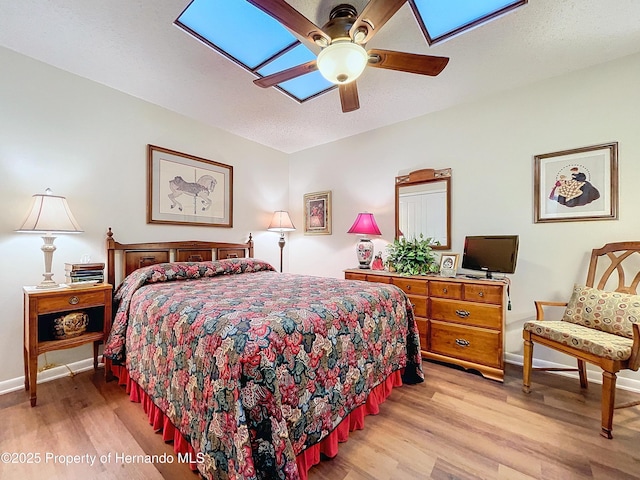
(590, 340)
(610, 312)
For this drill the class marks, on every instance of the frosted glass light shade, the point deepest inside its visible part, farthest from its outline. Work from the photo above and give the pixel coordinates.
(342, 62)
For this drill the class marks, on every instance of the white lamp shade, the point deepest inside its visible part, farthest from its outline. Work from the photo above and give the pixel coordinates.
(51, 214)
(342, 62)
(281, 222)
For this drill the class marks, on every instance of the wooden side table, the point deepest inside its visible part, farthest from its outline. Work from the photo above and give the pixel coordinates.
(42, 307)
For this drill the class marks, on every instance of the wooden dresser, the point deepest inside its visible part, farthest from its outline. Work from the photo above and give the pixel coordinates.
(461, 320)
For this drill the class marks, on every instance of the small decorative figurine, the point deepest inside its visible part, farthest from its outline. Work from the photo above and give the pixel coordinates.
(377, 262)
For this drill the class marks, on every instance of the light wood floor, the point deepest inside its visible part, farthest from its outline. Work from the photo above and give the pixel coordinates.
(456, 425)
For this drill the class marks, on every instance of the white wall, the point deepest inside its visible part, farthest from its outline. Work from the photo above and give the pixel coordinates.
(88, 142)
(490, 146)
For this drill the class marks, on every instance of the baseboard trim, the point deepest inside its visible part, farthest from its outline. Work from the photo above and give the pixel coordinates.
(594, 376)
(60, 371)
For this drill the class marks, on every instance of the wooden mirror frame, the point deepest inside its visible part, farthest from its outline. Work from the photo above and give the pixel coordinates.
(419, 177)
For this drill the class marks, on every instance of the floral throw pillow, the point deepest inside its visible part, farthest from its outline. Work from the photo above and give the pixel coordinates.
(611, 312)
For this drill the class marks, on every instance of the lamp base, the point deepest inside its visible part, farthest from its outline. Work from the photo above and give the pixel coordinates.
(48, 248)
(47, 282)
(364, 250)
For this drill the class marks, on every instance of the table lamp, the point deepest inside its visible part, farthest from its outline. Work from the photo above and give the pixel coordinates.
(49, 214)
(281, 222)
(365, 225)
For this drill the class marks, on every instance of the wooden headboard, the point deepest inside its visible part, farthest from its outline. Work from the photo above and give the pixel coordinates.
(124, 258)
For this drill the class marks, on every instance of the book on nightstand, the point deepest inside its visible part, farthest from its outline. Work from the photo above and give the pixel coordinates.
(84, 272)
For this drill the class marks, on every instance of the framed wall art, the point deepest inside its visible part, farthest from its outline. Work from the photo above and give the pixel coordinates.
(187, 190)
(317, 213)
(578, 184)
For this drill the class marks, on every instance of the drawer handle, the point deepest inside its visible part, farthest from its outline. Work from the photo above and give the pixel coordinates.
(408, 287)
(74, 300)
(481, 294)
(463, 313)
(444, 290)
(461, 342)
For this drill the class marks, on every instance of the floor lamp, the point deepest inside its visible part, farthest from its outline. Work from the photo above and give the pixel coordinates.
(49, 214)
(281, 223)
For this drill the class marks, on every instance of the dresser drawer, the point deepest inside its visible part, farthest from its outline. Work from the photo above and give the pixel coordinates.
(72, 301)
(355, 276)
(445, 290)
(419, 305)
(472, 344)
(483, 293)
(411, 286)
(378, 279)
(469, 313)
(423, 329)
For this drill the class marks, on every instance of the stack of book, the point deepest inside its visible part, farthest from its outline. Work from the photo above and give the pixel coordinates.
(84, 272)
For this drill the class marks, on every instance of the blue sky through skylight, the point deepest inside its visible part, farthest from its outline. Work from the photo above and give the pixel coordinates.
(263, 46)
(444, 16)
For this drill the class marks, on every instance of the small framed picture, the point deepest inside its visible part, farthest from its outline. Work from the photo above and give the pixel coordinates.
(317, 213)
(449, 264)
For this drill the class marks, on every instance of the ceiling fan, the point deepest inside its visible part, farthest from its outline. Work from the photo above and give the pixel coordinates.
(342, 39)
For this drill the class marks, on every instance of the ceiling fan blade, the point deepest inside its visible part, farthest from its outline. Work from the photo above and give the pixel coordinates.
(349, 96)
(288, 74)
(407, 62)
(373, 17)
(292, 19)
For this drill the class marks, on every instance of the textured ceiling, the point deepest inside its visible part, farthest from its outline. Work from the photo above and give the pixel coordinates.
(133, 46)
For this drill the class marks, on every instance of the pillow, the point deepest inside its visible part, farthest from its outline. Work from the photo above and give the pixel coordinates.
(611, 312)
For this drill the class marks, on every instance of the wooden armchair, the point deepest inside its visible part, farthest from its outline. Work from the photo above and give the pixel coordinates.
(599, 325)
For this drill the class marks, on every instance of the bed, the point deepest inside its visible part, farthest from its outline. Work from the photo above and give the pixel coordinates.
(253, 373)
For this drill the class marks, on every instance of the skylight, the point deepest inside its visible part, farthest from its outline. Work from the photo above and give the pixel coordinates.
(442, 19)
(261, 45)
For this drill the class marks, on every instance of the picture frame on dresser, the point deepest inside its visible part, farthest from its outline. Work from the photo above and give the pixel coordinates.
(449, 264)
(317, 213)
(183, 189)
(577, 184)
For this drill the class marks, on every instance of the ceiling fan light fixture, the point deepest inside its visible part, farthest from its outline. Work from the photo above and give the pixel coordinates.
(342, 61)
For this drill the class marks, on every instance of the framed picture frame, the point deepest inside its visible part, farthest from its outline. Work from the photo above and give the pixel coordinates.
(577, 184)
(449, 264)
(184, 189)
(317, 213)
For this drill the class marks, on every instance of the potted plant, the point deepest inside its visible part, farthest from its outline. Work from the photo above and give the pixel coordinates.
(412, 257)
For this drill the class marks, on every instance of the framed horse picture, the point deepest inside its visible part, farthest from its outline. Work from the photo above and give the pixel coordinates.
(187, 190)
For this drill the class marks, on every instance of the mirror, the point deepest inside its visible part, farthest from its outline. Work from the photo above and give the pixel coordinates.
(423, 206)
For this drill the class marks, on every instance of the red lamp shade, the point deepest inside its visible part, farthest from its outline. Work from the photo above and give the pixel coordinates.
(365, 224)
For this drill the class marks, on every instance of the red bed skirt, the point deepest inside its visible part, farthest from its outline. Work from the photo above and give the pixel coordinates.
(305, 460)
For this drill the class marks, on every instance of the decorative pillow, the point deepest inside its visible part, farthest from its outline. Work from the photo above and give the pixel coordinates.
(611, 312)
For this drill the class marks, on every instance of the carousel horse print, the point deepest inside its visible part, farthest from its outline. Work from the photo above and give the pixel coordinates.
(199, 190)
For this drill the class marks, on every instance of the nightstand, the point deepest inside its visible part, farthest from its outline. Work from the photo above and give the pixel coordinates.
(42, 307)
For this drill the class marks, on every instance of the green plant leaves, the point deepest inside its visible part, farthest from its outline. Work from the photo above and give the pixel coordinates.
(413, 257)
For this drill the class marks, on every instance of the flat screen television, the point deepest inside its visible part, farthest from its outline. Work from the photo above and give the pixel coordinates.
(491, 254)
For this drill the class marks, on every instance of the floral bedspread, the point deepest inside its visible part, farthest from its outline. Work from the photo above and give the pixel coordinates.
(253, 366)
